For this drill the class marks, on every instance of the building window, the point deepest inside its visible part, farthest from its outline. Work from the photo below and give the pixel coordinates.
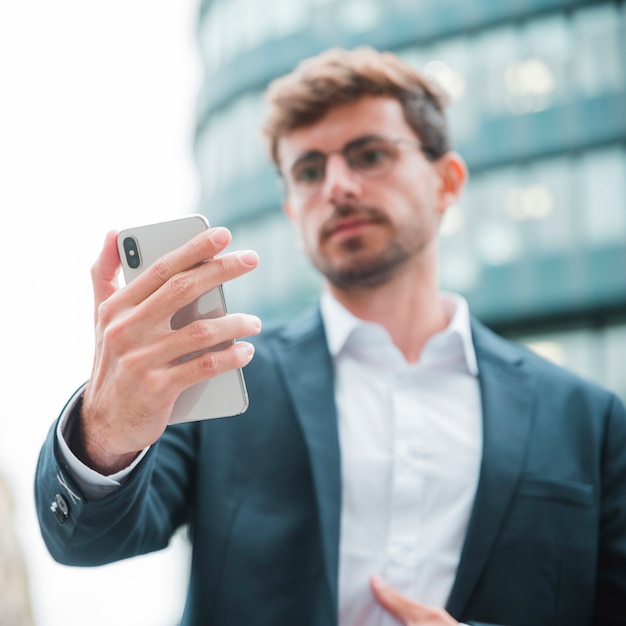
(231, 148)
(599, 49)
(598, 354)
(602, 176)
(233, 27)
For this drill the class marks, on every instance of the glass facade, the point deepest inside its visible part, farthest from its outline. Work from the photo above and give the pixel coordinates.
(552, 207)
(537, 108)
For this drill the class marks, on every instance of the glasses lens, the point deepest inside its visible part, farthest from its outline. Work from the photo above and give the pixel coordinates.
(308, 174)
(374, 157)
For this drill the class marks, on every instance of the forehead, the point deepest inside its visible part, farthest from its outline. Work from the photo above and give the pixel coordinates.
(370, 115)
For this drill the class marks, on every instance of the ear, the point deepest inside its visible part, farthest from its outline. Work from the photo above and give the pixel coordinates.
(453, 174)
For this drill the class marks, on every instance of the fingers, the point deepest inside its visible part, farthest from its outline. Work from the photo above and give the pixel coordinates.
(186, 286)
(392, 601)
(179, 267)
(183, 275)
(408, 611)
(104, 271)
(161, 384)
(206, 334)
(210, 364)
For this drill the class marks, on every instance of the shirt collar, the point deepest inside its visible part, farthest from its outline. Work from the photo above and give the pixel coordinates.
(339, 324)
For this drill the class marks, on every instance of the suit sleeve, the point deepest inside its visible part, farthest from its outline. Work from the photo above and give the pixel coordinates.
(137, 518)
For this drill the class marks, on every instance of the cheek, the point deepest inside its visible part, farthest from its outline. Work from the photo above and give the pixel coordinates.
(309, 229)
(305, 230)
(307, 221)
(416, 185)
(417, 200)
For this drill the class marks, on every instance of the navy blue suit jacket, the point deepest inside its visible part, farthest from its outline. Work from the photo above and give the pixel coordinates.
(261, 492)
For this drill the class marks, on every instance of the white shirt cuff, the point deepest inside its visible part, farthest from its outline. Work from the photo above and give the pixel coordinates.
(93, 484)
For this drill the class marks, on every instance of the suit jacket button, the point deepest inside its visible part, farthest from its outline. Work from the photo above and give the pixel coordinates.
(60, 508)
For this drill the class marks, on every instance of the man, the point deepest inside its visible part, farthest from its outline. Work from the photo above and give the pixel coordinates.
(398, 463)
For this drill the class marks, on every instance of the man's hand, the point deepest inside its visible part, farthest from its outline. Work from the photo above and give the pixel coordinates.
(407, 611)
(136, 378)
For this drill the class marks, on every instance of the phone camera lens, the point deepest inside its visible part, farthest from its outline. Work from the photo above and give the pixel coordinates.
(132, 252)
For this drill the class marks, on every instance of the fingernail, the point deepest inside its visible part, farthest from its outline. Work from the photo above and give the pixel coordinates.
(220, 236)
(248, 258)
(248, 348)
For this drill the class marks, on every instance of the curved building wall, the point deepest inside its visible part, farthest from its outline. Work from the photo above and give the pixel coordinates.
(538, 110)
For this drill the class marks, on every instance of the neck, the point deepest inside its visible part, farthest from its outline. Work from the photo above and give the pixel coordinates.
(408, 306)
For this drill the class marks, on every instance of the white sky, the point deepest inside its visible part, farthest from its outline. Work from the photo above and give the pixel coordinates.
(97, 109)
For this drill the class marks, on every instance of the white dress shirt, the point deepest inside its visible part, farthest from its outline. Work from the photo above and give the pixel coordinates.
(411, 444)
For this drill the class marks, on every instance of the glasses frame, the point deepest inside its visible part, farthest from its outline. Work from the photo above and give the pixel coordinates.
(290, 184)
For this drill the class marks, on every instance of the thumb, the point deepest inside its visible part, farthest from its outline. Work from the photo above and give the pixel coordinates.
(104, 271)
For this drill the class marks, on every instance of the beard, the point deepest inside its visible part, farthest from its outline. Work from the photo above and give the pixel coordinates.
(360, 265)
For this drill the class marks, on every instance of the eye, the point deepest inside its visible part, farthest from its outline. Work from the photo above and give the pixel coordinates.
(308, 171)
(371, 156)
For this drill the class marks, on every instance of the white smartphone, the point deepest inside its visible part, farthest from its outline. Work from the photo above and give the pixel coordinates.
(224, 395)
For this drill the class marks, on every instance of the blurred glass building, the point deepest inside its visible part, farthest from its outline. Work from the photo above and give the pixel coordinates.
(538, 109)
(15, 602)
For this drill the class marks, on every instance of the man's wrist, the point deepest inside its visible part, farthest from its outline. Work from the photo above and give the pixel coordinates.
(92, 483)
(90, 452)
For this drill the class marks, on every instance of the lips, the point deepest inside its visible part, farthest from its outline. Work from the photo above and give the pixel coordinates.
(348, 228)
(345, 226)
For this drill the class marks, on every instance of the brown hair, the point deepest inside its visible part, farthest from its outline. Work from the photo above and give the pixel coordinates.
(339, 76)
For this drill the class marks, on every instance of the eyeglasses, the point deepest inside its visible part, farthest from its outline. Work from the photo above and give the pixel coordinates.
(371, 156)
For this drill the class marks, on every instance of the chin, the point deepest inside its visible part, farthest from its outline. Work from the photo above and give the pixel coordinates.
(360, 273)
(358, 262)
(358, 280)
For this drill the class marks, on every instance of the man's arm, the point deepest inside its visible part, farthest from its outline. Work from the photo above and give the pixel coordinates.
(139, 516)
(127, 402)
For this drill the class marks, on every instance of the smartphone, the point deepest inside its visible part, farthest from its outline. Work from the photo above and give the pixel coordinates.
(224, 395)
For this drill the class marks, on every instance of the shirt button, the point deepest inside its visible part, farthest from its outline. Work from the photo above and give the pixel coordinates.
(403, 555)
(60, 508)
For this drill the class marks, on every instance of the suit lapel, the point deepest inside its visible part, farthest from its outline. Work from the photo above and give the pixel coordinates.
(308, 374)
(506, 390)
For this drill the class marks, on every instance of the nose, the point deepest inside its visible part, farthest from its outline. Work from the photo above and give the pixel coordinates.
(341, 182)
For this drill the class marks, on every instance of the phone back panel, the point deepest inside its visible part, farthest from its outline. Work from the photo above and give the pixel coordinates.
(224, 395)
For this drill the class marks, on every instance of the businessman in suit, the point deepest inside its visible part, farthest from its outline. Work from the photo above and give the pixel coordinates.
(399, 463)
